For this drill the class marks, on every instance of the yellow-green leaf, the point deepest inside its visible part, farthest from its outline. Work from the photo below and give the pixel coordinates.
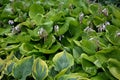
(63, 60)
(40, 69)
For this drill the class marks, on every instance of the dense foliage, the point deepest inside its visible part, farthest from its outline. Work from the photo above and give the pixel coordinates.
(106, 2)
(59, 40)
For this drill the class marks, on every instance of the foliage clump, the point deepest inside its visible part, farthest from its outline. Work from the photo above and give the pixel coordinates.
(59, 40)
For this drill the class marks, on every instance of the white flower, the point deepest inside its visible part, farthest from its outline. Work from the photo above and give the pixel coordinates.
(91, 39)
(16, 29)
(56, 28)
(42, 33)
(105, 12)
(101, 27)
(118, 34)
(60, 37)
(87, 29)
(11, 0)
(107, 23)
(11, 22)
(81, 17)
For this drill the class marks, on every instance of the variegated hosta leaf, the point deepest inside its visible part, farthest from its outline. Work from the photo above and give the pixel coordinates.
(40, 69)
(63, 60)
(9, 66)
(2, 64)
(23, 68)
(25, 48)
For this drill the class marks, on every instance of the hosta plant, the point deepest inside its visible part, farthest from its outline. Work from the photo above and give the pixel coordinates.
(59, 40)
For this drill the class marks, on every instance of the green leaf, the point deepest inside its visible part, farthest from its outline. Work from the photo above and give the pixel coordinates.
(40, 69)
(74, 28)
(7, 12)
(88, 46)
(54, 15)
(94, 9)
(112, 34)
(2, 64)
(23, 68)
(4, 30)
(34, 33)
(100, 76)
(52, 49)
(48, 26)
(63, 60)
(36, 13)
(62, 72)
(18, 5)
(91, 58)
(36, 9)
(114, 67)
(104, 55)
(11, 47)
(116, 22)
(9, 67)
(84, 4)
(11, 39)
(23, 37)
(25, 48)
(98, 20)
(63, 29)
(28, 23)
(77, 51)
(49, 41)
(88, 66)
(74, 76)
(115, 11)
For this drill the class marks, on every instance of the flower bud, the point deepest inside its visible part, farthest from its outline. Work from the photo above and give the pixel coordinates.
(87, 29)
(101, 27)
(107, 23)
(16, 29)
(81, 17)
(11, 22)
(56, 28)
(118, 34)
(105, 12)
(42, 33)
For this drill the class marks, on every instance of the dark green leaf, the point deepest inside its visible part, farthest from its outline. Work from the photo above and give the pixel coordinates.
(23, 68)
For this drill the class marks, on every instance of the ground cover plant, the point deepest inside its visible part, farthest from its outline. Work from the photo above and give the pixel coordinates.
(59, 40)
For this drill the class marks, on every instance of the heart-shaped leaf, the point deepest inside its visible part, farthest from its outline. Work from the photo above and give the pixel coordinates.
(63, 60)
(40, 69)
(22, 68)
